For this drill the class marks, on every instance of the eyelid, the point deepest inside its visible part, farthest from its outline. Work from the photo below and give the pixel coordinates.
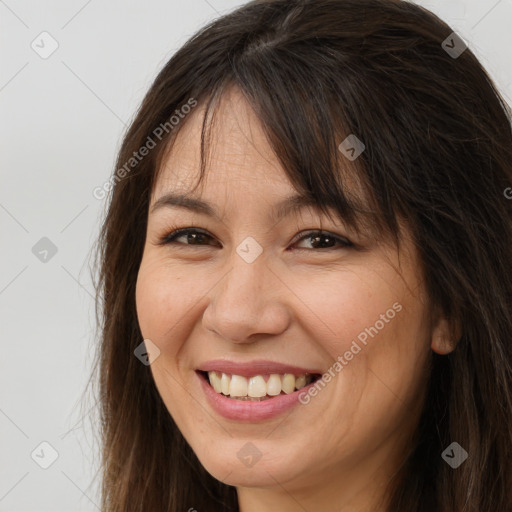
(305, 233)
(176, 232)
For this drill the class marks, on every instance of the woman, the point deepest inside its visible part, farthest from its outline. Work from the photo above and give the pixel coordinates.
(305, 271)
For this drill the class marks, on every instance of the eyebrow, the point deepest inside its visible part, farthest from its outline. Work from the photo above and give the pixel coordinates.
(285, 207)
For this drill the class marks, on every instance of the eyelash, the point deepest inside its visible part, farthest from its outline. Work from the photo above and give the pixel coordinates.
(343, 242)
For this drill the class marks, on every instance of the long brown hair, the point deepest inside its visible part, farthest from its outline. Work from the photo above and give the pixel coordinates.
(438, 153)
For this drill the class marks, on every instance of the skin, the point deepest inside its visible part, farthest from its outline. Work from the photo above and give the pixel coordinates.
(303, 306)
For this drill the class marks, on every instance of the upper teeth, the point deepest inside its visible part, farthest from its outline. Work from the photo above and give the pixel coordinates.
(236, 385)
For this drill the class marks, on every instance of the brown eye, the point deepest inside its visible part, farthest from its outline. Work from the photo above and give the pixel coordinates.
(324, 238)
(192, 237)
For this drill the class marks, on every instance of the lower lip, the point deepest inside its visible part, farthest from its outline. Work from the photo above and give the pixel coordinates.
(250, 411)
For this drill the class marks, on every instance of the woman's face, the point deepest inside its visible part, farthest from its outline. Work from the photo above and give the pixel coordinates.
(249, 290)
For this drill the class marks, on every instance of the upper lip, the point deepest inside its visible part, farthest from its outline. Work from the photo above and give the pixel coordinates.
(255, 367)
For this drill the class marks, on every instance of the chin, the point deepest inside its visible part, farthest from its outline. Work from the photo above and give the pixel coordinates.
(243, 471)
(239, 475)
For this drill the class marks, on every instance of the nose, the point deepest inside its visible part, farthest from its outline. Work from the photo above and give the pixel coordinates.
(249, 301)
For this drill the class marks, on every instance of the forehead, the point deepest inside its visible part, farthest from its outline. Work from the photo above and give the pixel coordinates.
(238, 149)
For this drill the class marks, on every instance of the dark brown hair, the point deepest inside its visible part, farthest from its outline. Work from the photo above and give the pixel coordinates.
(438, 154)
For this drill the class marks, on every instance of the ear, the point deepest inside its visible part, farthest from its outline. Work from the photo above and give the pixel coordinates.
(445, 336)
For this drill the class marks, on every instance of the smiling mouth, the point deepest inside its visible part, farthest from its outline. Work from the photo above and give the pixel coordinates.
(257, 388)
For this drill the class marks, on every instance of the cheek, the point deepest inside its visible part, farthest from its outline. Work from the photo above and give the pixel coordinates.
(374, 332)
(350, 306)
(376, 336)
(163, 298)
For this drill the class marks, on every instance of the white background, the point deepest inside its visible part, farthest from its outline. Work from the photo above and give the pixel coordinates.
(62, 120)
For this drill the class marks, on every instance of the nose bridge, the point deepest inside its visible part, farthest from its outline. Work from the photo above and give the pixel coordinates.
(248, 273)
(244, 302)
